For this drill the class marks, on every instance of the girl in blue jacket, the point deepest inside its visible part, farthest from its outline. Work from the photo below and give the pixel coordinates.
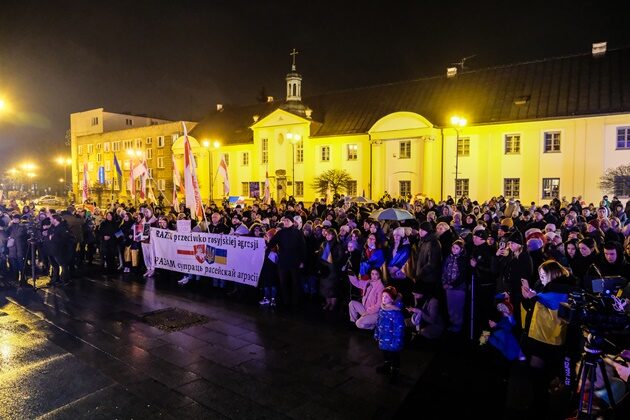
(390, 331)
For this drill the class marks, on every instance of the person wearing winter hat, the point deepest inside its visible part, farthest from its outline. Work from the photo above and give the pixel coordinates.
(517, 268)
(426, 226)
(550, 227)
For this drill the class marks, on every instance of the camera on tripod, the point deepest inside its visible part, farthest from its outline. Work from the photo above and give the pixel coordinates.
(601, 311)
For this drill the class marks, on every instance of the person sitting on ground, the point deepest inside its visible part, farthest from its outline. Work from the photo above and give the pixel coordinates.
(365, 313)
(425, 316)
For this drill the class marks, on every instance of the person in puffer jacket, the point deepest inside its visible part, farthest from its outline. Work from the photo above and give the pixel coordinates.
(390, 332)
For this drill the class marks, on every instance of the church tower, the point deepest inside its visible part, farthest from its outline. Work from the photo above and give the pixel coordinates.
(294, 82)
(294, 91)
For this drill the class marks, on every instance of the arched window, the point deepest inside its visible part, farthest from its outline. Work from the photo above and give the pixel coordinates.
(295, 89)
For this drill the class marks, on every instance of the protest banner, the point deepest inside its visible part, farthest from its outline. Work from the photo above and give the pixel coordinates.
(227, 257)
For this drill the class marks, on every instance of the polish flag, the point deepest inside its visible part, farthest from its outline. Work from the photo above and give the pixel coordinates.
(85, 188)
(191, 185)
(223, 171)
(267, 196)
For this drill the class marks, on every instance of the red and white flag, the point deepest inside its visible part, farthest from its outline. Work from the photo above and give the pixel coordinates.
(267, 193)
(191, 185)
(223, 171)
(85, 187)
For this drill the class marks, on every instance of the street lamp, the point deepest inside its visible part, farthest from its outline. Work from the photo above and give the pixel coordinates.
(215, 145)
(294, 139)
(65, 162)
(458, 123)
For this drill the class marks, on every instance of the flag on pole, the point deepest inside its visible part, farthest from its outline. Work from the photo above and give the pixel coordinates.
(117, 166)
(132, 181)
(85, 189)
(150, 193)
(223, 171)
(177, 183)
(267, 196)
(191, 185)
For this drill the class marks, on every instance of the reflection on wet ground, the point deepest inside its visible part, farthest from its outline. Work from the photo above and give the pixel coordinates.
(83, 352)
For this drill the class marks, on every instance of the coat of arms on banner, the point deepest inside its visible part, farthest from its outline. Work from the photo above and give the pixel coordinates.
(216, 255)
(200, 252)
(210, 254)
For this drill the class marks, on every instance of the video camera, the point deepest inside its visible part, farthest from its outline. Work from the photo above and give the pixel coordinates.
(601, 311)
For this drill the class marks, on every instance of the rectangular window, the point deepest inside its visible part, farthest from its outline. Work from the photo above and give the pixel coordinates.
(106, 147)
(552, 142)
(161, 184)
(245, 159)
(128, 144)
(138, 143)
(126, 165)
(160, 141)
(512, 144)
(264, 149)
(461, 188)
(91, 166)
(150, 173)
(149, 141)
(511, 187)
(160, 162)
(352, 188)
(116, 146)
(90, 148)
(99, 157)
(108, 166)
(98, 147)
(299, 152)
(550, 188)
(324, 153)
(299, 188)
(404, 188)
(150, 153)
(80, 149)
(352, 151)
(404, 149)
(226, 157)
(623, 138)
(128, 121)
(245, 189)
(622, 185)
(463, 146)
(174, 138)
(94, 120)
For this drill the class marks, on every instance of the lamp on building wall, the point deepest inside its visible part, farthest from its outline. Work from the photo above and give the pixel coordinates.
(215, 145)
(458, 123)
(294, 139)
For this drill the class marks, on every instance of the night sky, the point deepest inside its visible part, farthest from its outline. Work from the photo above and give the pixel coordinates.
(177, 59)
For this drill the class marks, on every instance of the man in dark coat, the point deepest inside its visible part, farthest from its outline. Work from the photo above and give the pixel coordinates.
(429, 259)
(291, 255)
(481, 256)
(62, 245)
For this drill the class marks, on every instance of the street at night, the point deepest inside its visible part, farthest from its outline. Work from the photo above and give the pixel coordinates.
(84, 352)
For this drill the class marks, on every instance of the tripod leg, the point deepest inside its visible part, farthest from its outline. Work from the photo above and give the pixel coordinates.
(611, 397)
(587, 389)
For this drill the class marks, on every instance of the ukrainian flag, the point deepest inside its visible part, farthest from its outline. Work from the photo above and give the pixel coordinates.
(220, 256)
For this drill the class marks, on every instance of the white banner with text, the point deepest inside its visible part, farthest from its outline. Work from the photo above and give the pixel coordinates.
(227, 257)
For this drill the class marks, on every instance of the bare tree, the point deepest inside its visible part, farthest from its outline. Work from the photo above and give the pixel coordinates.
(616, 180)
(337, 179)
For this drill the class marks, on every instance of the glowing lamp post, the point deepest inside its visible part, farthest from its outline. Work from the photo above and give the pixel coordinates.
(458, 123)
(294, 139)
(215, 145)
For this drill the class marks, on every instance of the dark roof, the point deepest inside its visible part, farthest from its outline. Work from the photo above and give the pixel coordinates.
(578, 85)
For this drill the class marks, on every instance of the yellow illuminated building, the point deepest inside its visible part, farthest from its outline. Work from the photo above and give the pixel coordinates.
(534, 130)
(96, 135)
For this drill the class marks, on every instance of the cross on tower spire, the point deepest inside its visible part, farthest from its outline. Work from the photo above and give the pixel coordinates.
(293, 54)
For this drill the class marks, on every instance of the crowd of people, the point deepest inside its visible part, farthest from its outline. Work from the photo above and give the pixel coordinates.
(499, 269)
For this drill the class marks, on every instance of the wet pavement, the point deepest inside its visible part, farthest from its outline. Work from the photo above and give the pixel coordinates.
(83, 351)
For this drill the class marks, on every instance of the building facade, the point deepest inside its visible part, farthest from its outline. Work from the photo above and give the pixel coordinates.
(96, 136)
(535, 131)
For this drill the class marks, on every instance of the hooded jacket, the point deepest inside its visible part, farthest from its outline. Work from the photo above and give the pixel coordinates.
(429, 259)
